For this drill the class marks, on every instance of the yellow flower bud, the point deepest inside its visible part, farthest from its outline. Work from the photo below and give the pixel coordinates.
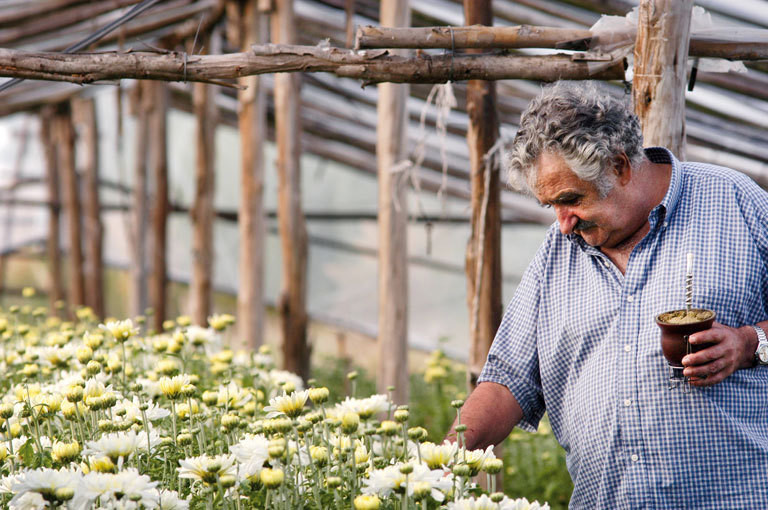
(272, 478)
(367, 502)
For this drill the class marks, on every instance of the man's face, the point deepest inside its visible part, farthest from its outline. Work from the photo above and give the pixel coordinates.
(601, 222)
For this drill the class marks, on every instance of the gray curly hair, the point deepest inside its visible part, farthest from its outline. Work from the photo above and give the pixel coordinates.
(583, 123)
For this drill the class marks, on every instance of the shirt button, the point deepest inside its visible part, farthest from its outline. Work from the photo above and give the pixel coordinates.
(606, 263)
(630, 298)
(627, 348)
(666, 224)
(627, 403)
(634, 457)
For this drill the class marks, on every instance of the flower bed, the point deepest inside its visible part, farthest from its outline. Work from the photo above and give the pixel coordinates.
(105, 416)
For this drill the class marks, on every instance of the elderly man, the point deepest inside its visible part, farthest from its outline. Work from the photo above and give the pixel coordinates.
(579, 338)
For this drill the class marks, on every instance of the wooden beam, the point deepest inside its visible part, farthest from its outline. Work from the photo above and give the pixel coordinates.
(158, 169)
(252, 124)
(84, 111)
(293, 230)
(483, 253)
(65, 135)
(527, 36)
(473, 36)
(391, 150)
(48, 141)
(206, 114)
(373, 66)
(658, 88)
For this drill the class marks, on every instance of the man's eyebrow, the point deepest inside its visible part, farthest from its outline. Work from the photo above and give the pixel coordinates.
(566, 197)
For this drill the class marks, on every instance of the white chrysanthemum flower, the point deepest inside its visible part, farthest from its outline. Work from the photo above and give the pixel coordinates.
(476, 458)
(364, 407)
(133, 410)
(233, 395)
(113, 489)
(485, 503)
(169, 500)
(290, 405)
(7, 482)
(56, 356)
(437, 456)
(253, 448)
(207, 469)
(121, 445)
(383, 482)
(44, 481)
(28, 501)
(279, 378)
(120, 330)
(201, 336)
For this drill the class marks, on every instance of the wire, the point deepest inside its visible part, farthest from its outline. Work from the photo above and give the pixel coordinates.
(125, 18)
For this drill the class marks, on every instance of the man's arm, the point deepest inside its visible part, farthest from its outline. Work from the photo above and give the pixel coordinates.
(490, 413)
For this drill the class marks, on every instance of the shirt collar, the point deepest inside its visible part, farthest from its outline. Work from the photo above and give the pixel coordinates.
(667, 206)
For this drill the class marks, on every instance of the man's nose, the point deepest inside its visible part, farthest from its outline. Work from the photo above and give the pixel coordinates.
(566, 219)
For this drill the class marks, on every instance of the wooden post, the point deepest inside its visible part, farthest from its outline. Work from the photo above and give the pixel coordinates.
(658, 86)
(393, 223)
(84, 110)
(252, 125)
(47, 138)
(158, 164)
(138, 99)
(483, 255)
(293, 230)
(204, 99)
(66, 154)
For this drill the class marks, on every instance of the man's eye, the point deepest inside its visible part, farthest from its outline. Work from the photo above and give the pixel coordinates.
(545, 206)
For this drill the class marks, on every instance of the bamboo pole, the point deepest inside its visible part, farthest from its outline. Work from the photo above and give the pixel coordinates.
(483, 254)
(138, 100)
(252, 126)
(391, 136)
(202, 209)
(84, 110)
(158, 165)
(65, 135)
(48, 140)
(293, 230)
(661, 53)
(373, 66)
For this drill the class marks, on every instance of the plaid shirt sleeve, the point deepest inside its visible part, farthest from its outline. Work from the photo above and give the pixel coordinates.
(513, 359)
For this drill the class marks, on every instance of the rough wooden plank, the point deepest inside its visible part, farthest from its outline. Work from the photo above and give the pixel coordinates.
(158, 169)
(139, 213)
(661, 54)
(293, 230)
(391, 150)
(65, 135)
(370, 66)
(84, 110)
(201, 292)
(252, 124)
(483, 253)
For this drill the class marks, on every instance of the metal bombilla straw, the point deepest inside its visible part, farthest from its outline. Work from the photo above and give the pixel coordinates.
(688, 306)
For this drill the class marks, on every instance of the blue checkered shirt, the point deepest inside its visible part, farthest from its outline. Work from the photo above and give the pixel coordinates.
(579, 340)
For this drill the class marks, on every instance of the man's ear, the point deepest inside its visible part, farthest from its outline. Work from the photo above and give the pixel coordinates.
(622, 168)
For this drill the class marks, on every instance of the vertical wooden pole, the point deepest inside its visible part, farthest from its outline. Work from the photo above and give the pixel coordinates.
(252, 125)
(48, 140)
(393, 223)
(139, 212)
(292, 227)
(204, 99)
(158, 163)
(483, 255)
(84, 110)
(658, 86)
(69, 179)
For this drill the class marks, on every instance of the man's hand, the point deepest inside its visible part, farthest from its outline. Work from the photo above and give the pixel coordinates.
(489, 413)
(730, 350)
